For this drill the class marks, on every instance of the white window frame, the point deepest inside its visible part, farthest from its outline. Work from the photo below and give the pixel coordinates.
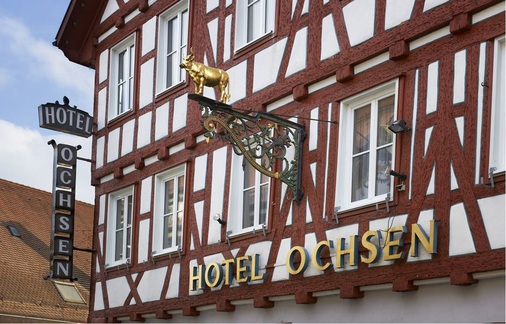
(343, 195)
(236, 198)
(128, 47)
(179, 12)
(262, 22)
(159, 212)
(113, 198)
(497, 151)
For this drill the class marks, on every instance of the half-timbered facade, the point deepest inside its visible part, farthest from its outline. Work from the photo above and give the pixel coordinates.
(405, 226)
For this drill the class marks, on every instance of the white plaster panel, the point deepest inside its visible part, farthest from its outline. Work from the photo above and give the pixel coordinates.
(146, 194)
(461, 239)
(280, 102)
(398, 11)
(97, 265)
(321, 84)
(459, 77)
(344, 232)
(267, 64)
(289, 217)
(118, 290)
(148, 291)
(113, 145)
(132, 15)
(228, 2)
(127, 140)
(280, 271)
(310, 242)
(199, 215)
(330, 44)
(429, 38)
(294, 4)
(199, 178)
(429, 4)
(263, 249)
(173, 290)
(238, 87)
(128, 169)
(150, 160)
(493, 213)
(305, 8)
(103, 66)
(212, 4)
(180, 112)
(431, 187)
(479, 110)
(227, 38)
(143, 244)
(217, 193)
(312, 167)
(299, 53)
(377, 60)
(459, 121)
(99, 159)
(148, 36)
(101, 109)
(428, 135)
(147, 83)
(212, 26)
(101, 210)
(487, 13)
(162, 121)
(359, 20)
(107, 33)
(432, 87)
(383, 225)
(144, 130)
(99, 299)
(176, 148)
(101, 242)
(424, 222)
(454, 184)
(111, 7)
(413, 130)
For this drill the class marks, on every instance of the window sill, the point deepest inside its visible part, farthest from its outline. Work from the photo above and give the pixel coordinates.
(250, 232)
(253, 44)
(118, 119)
(378, 204)
(166, 254)
(117, 265)
(160, 95)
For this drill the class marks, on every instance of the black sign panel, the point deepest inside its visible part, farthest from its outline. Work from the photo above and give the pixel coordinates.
(65, 200)
(66, 119)
(65, 178)
(66, 155)
(64, 223)
(62, 269)
(63, 246)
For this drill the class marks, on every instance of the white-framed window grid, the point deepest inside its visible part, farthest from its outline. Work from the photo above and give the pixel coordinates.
(169, 210)
(172, 45)
(249, 197)
(366, 147)
(497, 158)
(121, 87)
(119, 227)
(254, 19)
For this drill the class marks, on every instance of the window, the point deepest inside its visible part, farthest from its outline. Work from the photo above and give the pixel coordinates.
(497, 158)
(169, 210)
(121, 94)
(254, 19)
(366, 147)
(172, 46)
(119, 227)
(249, 197)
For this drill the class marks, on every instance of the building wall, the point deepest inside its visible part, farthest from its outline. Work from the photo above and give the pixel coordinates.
(440, 55)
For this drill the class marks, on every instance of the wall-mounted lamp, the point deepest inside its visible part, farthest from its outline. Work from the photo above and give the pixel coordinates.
(399, 126)
(217, 218)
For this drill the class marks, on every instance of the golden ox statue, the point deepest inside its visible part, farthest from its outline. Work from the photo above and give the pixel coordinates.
(203, 75)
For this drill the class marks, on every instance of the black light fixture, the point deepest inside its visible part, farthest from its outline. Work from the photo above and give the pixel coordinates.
(399, 126)
(217, 218)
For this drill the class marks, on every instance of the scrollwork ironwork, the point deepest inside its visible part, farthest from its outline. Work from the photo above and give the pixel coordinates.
(262, 138)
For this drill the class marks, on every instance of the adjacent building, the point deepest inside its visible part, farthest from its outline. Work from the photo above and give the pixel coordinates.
(356, 172)
(27, 295)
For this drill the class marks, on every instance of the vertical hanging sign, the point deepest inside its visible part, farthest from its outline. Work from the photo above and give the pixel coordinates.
(62, 214)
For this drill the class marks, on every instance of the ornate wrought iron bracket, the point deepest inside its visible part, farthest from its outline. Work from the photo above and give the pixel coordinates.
(262, 139)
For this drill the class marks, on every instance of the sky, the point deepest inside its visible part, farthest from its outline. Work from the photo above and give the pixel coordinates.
(34, 72)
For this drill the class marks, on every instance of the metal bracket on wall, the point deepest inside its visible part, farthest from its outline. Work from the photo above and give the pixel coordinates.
(262, 139)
